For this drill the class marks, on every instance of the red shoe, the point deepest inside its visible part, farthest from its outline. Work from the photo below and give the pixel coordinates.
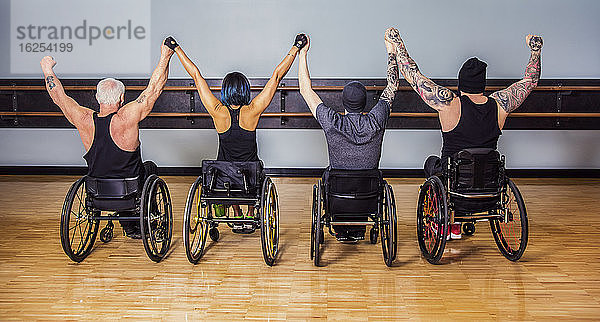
(454, 232)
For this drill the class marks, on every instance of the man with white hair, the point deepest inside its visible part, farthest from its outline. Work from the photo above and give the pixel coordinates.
(111, 136)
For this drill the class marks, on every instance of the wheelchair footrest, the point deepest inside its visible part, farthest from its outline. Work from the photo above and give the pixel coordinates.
(115, 218)
(352, 223)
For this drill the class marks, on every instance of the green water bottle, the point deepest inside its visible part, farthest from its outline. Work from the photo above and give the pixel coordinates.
(219, 210)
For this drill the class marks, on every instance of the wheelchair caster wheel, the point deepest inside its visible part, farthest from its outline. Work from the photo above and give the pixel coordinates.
(468, 228)
(214, 234)
(106, 234)
(373, 236)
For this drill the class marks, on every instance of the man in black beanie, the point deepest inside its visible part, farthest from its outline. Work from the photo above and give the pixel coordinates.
(471, 120)
(354, 139)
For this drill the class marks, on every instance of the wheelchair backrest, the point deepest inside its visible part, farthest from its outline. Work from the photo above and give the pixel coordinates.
(353, 191)
(226, 176)
(99, 188)
(476, 170)
(112, 194)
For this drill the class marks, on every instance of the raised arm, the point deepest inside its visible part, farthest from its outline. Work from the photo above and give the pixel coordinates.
(75, 113)
(437, 97)
(393, 80)
(513, 96)
(209, 100)
(310, 96)
(263, 99)
(137, 110)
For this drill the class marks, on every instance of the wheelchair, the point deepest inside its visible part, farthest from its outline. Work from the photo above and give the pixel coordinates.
(88, 197)
(224, 184)
(354, 198)
(472, 187)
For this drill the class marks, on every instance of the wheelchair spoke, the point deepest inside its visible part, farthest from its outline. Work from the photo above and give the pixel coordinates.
(510, 230)
(196, 226)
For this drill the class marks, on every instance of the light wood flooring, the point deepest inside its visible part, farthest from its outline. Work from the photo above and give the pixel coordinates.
(557, 278)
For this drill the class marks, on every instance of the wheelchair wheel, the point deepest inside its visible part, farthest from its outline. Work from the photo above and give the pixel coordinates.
(312, 222)
(373, 235)
(77, 228)
(317, 234)
(511, 236)
(213, 233)
(269, 222)
(106, 234)
(468, 228)
(432, 219)
(156, 219)
(388, 226)
(195, 224)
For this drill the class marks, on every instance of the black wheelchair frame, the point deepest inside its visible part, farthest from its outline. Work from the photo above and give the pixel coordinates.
(88, 197)
(384, 220)
(199, 220)
(474, 188)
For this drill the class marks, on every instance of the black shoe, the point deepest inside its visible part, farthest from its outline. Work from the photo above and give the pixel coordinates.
(357, 235)
(344, 237)
(132, 231)
(245, 228)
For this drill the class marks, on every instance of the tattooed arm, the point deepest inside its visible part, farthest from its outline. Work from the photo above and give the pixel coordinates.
(513, 96)
(392, 75)
(310, 96)
(75, 113)
(436, 96)
(137, 110)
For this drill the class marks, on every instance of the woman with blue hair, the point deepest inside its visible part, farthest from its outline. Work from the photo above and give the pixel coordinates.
(235, 115)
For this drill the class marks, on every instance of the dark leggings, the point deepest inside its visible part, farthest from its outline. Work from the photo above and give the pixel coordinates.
(149, 169)
(433, 166)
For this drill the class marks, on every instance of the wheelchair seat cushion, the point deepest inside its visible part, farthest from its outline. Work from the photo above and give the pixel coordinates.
(235, 178)
(353, 192)
(477, 171)
(113, 194)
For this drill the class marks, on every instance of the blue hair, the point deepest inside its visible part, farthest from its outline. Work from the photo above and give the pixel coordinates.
(235, 90)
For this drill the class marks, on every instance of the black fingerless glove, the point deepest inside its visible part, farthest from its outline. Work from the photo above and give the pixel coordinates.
(171, 43)
(301, 41)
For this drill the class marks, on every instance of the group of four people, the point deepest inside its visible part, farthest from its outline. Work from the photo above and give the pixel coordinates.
(354, 139)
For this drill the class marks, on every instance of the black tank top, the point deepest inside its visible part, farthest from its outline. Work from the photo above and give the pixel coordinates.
(477, 127)
(237, 144)
(105, 159)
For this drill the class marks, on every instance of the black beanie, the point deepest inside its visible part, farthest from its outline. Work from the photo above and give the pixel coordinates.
(471, 77)
(354, 97)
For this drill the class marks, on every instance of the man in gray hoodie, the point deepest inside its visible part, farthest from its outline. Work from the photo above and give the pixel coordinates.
(354, 139)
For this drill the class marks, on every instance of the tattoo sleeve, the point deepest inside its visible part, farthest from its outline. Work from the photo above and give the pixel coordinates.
(50, 82)
(392, 80)
(434, 95)
(513, 96)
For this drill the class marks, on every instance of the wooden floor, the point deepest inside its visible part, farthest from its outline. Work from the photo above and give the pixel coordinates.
(558, 277)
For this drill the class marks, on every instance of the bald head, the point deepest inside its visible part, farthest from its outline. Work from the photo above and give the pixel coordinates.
(109, 91)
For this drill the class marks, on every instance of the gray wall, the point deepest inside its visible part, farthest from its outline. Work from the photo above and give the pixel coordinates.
(253, 36)
(402, 149)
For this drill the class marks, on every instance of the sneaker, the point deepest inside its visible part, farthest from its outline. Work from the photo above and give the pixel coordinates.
(244, 228)
(454, 232)
(357, 234)
(345, 237)
(132, 231)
